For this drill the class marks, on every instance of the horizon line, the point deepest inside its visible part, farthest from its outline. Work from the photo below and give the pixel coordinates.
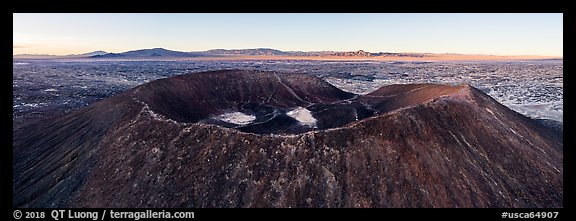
(404, 52)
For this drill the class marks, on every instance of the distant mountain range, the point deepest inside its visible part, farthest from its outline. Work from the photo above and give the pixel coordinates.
(165, 53)
(148, 53)
(268, 53)
(48, 56)
(257, 51)
(94, 53)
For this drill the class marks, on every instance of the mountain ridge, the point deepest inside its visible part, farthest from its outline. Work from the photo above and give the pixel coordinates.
(268, 53)
(229, 52)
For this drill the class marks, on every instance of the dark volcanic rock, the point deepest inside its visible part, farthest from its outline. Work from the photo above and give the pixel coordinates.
(163, 145)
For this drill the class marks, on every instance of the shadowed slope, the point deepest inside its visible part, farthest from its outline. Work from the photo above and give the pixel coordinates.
(52, 158)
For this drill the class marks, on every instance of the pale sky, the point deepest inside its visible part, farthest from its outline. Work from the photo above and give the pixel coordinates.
(496, 34)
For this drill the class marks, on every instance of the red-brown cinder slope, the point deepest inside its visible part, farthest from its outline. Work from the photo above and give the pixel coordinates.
(426, 146)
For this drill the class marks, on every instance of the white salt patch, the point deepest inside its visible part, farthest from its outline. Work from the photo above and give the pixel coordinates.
(303, 115)
(236, 118)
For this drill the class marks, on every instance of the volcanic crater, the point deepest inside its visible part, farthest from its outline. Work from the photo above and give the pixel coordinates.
(238, 138)
(253, 101)
(275, 103)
